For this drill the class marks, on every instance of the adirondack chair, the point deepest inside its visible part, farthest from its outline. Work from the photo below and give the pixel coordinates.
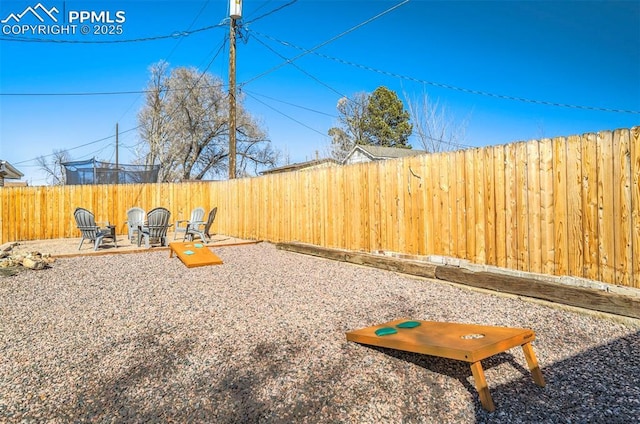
(135, 220)
(86, 222)
(181, 226)
(201, 229)
(156, 227)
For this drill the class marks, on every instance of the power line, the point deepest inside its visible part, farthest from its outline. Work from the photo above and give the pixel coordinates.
(286, 116)
(277, 9)
(80, 146)
(256, 10)
(448, 86)
(98, 93)
(85, 93)
(300, 69)
(290, 104)
(304, 53)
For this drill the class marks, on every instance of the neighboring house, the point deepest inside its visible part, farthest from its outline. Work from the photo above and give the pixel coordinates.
(303, 166)
(8, 172)
(368, 153)
(360, 153)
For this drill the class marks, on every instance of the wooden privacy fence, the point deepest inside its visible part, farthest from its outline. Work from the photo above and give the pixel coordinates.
(562, 206)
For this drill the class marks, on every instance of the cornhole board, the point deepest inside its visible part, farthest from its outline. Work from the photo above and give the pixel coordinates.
(193, 254)
(464, 342)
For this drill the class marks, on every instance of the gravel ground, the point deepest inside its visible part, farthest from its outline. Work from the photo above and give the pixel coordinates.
(141, 338)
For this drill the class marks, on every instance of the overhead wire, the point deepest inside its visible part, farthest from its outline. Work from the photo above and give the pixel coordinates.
(286, 116)
(290, 104)
(257, 9)
(329, 41)
(277, 9)
(300, 69)
(77, 147)
(444, 85)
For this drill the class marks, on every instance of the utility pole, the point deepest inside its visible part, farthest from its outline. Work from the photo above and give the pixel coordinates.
(235, 12)
(117, 166)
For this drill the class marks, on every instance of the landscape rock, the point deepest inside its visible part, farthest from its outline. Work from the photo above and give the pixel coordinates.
(28, 260)
(33, 263)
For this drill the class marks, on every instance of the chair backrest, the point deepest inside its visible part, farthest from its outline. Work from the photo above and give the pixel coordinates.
(86, 222)
(212, 216)
(196, 215)
(158, 222)
(135, 217)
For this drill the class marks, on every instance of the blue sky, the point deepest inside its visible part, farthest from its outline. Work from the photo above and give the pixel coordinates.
(474, 57)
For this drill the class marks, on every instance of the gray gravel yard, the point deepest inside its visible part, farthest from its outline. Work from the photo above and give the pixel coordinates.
(142, 338)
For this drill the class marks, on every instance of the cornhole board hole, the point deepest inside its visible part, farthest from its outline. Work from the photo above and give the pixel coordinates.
(193, 254)
(465, 342)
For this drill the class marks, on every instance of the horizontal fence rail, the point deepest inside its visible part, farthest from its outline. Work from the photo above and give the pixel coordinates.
(561, 206)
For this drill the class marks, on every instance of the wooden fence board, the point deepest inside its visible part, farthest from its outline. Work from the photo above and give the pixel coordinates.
(430, 243)
(444, 196)
(560, 205)
(479, 198)
(418, 192)
(501, 208)
(575, 250)
(373, 207)
(522, 198)
(489, 185)
(622, 206)
(547, 237)
(452, 208)
(590, 232)
(436, 204)
(635, 205)
(606, 199)
(511, 210)
(534, 205)
(461, 205)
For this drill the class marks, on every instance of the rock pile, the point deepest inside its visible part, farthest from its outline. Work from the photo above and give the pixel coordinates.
(12, 261)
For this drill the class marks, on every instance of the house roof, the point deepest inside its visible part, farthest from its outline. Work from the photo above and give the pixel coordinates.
(16, 184)
(9, 172)
(380, 152)
(300, 165)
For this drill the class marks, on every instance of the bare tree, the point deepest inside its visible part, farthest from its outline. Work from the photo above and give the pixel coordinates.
(185, 126)
(53, 167)
(154, 123)
(350, 131)
(433, 125)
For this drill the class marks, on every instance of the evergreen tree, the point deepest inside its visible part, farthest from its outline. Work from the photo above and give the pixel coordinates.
(387, 122)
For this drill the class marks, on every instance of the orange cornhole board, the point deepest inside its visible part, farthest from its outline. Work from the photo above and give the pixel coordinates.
(193, 254)
(464, 342)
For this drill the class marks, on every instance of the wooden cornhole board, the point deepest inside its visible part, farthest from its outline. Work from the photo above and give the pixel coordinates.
(464, 342)
(193, 254)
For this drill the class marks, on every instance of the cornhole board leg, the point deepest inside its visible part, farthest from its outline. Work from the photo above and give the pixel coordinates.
(481, 386)
(532, 361)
